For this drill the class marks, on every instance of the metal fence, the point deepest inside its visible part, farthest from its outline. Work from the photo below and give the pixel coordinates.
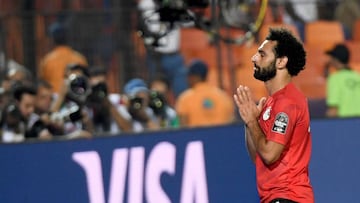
(105, 35)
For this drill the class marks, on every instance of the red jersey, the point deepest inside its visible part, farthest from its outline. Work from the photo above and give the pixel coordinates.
(285, 119)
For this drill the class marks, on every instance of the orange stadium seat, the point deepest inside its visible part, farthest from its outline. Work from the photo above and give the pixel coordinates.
(315, 58)
(356, 31)
(354, 48)
(324, 34)
(311, 83)
(193, 41)
(264, 30)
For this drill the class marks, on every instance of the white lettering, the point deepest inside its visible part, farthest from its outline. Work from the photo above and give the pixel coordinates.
(194, 184)
(118, 176)
(136, 176)
(161, 159)
(90, 162)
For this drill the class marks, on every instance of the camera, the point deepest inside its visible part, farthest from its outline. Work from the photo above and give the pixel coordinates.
(137, 110)
(98, 92)
(79, 88)
(72, 114)
(78, 84)
(136, 103)
(12, 117)
(157, 103)
(177, 10)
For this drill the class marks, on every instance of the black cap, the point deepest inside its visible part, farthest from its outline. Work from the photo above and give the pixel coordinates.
(340, 52)
(198, 67)
(58, 32)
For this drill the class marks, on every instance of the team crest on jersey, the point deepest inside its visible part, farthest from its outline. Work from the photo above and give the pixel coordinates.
(281, 122)
(266, 114)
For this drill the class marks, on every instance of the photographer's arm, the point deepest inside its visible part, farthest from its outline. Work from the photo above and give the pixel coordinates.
(122, 122)
(151, 125)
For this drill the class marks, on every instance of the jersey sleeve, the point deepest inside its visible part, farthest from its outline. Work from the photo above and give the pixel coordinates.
(282, 122)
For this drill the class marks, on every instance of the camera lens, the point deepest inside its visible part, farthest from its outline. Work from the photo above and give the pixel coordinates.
(136, 103)
(78, 85)
(98, 92)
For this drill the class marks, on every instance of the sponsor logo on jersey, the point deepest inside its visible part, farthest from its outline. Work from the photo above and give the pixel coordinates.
(266, 114)
(280, 123)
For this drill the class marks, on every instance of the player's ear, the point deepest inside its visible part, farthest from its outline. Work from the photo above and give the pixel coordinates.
(281, 62)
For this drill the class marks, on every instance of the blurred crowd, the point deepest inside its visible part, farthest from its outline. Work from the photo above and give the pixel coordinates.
(70, 98)
(83, 107)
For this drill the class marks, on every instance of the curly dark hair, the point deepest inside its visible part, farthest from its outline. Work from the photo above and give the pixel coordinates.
(289, 46)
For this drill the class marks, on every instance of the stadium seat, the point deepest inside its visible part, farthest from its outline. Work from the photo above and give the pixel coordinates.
(193, 41)
(315, 58)
(324, 34)
(356, 31)
(354, 48)
(264, 30)
(311, 82)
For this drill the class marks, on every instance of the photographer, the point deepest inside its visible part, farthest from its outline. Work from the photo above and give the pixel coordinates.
(11, 78)
(137, 103)
(15, 116)
(105, 108)
(69, 105)
(160, 95)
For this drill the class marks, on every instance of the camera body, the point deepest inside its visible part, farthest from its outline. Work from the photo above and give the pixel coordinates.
(12, 118)
(177, 10)
(98, 93)
(78, 88)
(157, 103)
(72, 114)
(183, 4)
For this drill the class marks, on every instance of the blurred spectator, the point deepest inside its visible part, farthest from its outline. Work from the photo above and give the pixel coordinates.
(40, 123)
(137, 105)
(44, 97)
(15, 116)
(161, 101)
(53, 65)
(347, 12)
(163, 47)
(300, 12)
(13, 77)
(203, 104)
(105, 107)
(343, 85)
(69, 105)
(161, 84)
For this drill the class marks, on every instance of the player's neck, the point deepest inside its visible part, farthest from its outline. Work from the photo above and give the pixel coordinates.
(277, 83)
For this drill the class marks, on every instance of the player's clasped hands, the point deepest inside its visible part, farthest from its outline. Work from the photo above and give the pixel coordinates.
(247, 107)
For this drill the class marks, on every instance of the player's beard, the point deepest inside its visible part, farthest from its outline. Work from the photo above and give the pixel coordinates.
(265, 73)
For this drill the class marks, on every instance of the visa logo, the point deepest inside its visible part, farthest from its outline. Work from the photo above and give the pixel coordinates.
(142, 180)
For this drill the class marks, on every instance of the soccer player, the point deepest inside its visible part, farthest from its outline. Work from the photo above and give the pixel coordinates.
(277, 132)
